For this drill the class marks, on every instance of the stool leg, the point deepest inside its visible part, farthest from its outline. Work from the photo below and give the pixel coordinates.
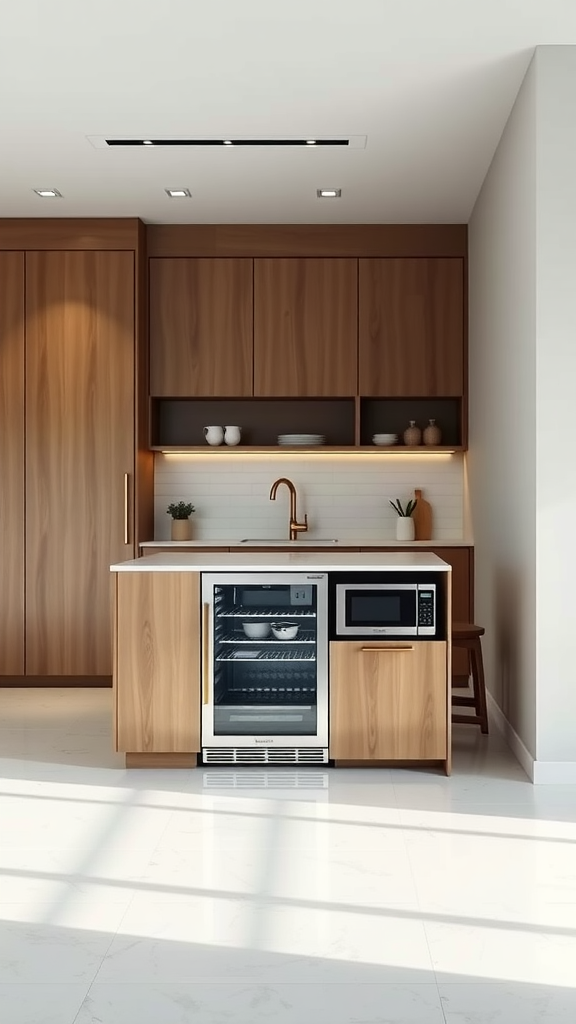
(479, 686)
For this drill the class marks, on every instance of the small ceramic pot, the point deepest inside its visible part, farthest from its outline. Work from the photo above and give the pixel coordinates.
(181, 529)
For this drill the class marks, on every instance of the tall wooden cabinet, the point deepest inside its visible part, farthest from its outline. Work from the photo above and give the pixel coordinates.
(201, 327)
(305, 327)
(80, 449)
(411, 327)
(12, 507)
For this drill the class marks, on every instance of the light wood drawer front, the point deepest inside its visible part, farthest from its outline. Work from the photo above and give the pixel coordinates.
(388, 701)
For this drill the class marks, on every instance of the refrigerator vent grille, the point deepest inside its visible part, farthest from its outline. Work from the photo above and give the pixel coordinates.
(265, 755)
(265, 780)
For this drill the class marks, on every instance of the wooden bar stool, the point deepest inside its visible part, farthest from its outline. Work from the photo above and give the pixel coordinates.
(464, 634)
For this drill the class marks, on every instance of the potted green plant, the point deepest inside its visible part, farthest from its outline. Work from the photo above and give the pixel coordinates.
(181, 525)
(404, 523)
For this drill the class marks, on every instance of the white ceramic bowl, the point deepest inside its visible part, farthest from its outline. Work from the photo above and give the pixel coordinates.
(256, 630)
(285, 630)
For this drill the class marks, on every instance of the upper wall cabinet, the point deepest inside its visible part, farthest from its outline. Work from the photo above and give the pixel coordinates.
(305, 328)
(201, 327)
(411, 327)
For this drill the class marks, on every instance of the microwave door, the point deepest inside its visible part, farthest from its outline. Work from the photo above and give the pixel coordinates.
(377, 610)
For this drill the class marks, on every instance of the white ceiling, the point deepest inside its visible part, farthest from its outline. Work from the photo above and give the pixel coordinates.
(430, 83)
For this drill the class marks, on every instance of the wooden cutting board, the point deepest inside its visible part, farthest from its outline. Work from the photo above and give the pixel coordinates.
(422, 516)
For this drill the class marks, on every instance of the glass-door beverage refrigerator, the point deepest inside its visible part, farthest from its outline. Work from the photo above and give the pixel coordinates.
(264, 668)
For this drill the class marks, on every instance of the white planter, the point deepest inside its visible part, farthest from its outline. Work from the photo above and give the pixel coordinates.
(404, 528)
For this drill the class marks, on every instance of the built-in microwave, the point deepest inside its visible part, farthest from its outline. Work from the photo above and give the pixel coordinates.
(372, 606)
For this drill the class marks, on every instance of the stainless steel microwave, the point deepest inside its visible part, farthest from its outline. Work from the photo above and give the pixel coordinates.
(385, 609)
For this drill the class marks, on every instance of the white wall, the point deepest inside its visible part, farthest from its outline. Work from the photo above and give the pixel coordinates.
(556, 407)
(344, 496)
(523, 416)
(502, 456)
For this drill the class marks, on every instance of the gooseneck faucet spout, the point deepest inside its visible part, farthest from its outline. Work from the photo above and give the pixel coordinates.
(295, 526)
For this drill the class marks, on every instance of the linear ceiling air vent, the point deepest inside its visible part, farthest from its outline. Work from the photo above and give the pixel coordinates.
(306, 142)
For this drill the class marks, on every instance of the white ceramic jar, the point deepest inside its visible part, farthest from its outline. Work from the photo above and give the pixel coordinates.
(232, 435)
(214, 435)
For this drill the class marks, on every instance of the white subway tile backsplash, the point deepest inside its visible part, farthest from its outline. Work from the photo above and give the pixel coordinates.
(345, 497)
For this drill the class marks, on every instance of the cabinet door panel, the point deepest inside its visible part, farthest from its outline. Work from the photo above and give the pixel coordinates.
(386, 703)
(12, 463)
(79, 448)
(201, 328)
(157, 673)
(305, 327)
(411, 327)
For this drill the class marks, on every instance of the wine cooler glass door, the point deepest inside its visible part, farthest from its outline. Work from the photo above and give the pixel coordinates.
(267, 659)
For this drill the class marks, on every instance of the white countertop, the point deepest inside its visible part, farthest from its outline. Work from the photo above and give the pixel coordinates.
(284, 561)
(310, 542)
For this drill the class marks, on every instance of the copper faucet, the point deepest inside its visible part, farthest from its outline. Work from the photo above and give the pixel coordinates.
(295, 526)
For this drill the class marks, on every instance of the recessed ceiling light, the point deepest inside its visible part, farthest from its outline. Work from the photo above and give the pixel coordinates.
(328, 193)
(346, 141)
(48, 193)
(178, 193)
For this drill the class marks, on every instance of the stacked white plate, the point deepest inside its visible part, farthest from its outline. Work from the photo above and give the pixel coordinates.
(301, 439)
(384, 440)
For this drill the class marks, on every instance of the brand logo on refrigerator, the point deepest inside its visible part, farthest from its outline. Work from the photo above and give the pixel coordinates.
(256, 740)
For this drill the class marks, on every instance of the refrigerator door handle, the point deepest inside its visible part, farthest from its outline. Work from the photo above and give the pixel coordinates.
(205, 653)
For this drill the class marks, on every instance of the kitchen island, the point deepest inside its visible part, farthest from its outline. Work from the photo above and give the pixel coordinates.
(388, 703)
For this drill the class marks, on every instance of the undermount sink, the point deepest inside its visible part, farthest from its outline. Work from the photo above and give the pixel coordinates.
(262, 542)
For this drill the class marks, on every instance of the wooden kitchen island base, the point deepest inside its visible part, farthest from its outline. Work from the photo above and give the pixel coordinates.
(136, 760)
(389, 701)
(443, 764)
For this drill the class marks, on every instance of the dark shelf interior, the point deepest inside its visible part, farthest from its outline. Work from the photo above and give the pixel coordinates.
(180, 421)
(393, 415)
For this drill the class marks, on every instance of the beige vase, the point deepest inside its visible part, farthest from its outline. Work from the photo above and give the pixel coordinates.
(432, 433)
(181, 529)
(412, 434)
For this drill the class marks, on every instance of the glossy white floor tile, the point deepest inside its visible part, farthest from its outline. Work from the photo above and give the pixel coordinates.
(309, 896)
(260, 1003)
(39, 1003)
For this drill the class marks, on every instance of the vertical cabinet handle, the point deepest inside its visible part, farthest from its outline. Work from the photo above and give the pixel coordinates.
(126, 530)
(205, 652)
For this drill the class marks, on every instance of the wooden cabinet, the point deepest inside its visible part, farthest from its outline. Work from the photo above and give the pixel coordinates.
(201, 327)
(12, 463)
(411, 327)
(305, 327)
(80, 445)
(157, 662)
(388, 701)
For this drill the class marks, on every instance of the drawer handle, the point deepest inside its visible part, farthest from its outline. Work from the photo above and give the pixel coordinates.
(385, 650)
(205, 651)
